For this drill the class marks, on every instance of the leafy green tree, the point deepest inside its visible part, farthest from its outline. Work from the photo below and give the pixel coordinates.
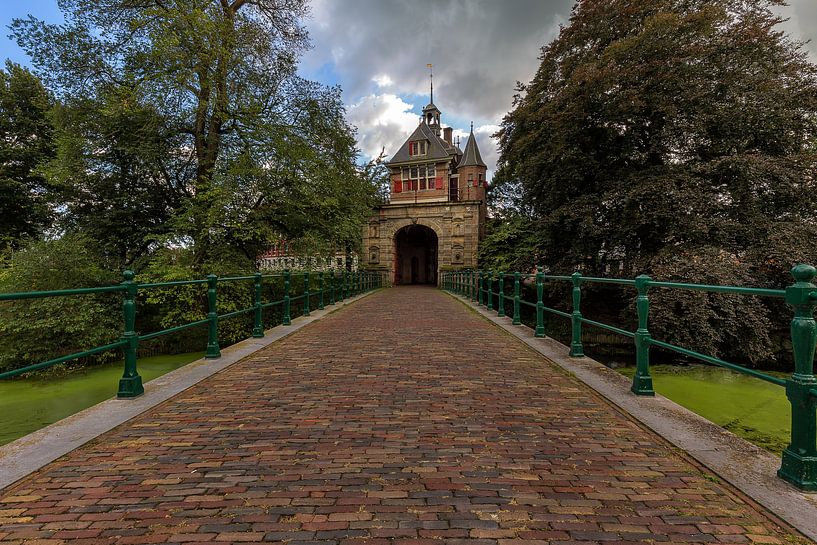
(249, 139)
(663, 128)
(26, 142)
(119, 178)
(670, 122)
(37, 330)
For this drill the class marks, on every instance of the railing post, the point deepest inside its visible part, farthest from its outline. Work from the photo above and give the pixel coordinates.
(287, 319)
(501, 290)
(130, 385)
(344, 290)
(642, 381)
(306, 294)
(320, 286)
(540, 306)
(474, 285)
(258, 327)
(516, 297)
(799, 465)
(332, 281)
(213, 350)
(490, 290)
(480, 283)
(576, 348)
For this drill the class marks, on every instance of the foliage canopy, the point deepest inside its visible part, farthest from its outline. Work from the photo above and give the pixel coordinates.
(671, 137)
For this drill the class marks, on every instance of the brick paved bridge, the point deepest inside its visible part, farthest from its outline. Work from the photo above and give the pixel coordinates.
(377, 424)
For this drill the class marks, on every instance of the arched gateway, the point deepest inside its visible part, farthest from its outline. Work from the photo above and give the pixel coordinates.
(436, 212)
(415, 255)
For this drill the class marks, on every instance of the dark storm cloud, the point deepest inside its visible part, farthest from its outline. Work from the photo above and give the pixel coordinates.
(802, 23)
(378, 50)
(479, 48)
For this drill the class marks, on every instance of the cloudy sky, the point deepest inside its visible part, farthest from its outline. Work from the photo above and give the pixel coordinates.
(377, 51)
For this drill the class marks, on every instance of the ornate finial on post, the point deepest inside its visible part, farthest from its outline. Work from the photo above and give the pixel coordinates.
(306, 293)
(258, 326)
(287, 318)
(320, 289)
(490, 290)
(576, 348)
(213, 349)
(540, 306)
(799, 465)
(130, 385)
(517, 277)
(642, 381)
(500, 311)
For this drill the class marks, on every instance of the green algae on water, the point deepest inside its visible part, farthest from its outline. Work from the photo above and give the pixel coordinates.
(750, 408)
(28, 404)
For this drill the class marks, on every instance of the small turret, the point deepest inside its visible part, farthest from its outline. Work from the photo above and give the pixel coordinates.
(472, 170)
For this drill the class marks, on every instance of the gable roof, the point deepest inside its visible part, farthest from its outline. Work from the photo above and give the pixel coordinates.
(471, 156)
(438, 149)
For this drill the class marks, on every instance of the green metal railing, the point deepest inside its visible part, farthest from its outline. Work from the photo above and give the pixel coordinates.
(339, 287)
(799, 464)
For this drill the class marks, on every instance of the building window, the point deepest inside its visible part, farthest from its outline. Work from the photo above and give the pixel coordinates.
(470, 180)
(480, 179)
(418, 147)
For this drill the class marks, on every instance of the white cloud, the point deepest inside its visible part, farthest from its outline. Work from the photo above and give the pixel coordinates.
(383, 80)
(479, 48)
(383, 121)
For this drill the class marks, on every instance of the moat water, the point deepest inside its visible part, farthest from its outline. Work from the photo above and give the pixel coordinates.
(29, 404)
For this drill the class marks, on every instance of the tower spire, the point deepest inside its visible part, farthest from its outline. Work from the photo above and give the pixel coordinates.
(431, 80)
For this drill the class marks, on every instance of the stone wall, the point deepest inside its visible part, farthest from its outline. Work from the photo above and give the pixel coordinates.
(457, 226)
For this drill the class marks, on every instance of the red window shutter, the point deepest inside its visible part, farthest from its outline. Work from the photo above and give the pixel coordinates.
(398, 186)
(438, 183)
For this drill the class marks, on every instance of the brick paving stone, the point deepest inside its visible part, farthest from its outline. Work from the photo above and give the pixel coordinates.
(402, 419)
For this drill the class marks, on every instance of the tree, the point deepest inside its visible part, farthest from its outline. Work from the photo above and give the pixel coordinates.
(36, 330)
(26, 142)
(248, 137)
(118, 172)
(656, 128)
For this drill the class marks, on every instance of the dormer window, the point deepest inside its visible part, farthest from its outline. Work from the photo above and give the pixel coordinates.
(418, 147)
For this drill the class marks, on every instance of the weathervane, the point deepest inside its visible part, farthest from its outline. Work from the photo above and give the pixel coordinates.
(431, 78)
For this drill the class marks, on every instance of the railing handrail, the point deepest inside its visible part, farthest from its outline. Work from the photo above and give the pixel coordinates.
(340, 284)
(799, 459)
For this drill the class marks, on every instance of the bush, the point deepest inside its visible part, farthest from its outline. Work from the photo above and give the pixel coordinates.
(729, 326)
(162, 308)
(36, 330)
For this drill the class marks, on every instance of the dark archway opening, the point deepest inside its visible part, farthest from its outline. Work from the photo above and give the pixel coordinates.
(415, 255)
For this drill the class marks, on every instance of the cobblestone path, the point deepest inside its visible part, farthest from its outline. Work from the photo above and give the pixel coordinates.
(404, 418)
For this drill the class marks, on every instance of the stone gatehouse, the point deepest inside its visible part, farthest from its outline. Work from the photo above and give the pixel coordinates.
(436, 212)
